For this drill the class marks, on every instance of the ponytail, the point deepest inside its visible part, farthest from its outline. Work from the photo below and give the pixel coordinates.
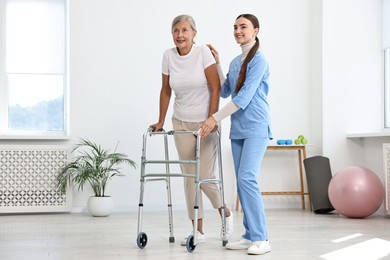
(244, 66)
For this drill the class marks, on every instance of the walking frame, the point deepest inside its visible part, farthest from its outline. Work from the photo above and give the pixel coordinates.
(191, 242)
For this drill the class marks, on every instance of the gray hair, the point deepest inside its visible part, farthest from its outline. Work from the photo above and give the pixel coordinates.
(182, 18)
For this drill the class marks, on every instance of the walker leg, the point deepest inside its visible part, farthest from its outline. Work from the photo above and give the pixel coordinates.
(142, 238)
(221, 189)
(170, 215)
(169, 196)
(191, 246)
(192, 239)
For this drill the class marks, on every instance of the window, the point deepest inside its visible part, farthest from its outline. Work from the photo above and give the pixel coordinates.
(387, 86)
(33, 79)
(386, 48)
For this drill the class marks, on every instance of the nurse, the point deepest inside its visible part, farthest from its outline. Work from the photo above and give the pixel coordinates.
(247, 84)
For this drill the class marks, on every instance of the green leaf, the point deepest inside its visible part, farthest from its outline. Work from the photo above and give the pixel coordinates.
(91, 165)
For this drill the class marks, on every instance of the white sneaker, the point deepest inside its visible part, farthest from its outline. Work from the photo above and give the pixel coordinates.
(229, 227)
(259, 248)
(243, 243)
(200, 238)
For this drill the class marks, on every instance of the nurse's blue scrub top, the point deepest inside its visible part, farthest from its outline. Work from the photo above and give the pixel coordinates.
(252, 120)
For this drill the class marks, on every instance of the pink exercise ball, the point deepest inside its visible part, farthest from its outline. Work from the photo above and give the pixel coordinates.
(356, 192)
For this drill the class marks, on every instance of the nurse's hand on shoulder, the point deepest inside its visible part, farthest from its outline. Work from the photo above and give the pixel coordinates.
(214, 52)
(210, 125)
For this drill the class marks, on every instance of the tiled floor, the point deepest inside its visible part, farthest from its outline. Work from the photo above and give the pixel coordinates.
(293, 234)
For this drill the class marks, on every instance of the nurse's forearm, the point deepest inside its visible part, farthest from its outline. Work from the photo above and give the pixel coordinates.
(226, 111)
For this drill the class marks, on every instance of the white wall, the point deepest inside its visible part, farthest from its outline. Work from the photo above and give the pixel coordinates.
(325, 59)
(325, 81)
(116, 50)
(352, 83)
(352, 79)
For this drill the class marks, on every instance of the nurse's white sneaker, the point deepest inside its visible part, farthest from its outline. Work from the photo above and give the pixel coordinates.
(240, 244)
(229, 227)
(200, 238)
(259, 248)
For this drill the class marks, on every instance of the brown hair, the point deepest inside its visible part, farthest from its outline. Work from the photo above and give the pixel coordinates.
(251, 53)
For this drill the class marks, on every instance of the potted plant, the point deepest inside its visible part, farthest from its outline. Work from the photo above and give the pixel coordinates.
(95, 166)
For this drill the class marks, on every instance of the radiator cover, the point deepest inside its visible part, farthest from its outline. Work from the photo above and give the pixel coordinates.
(27, 177)
(386, 169)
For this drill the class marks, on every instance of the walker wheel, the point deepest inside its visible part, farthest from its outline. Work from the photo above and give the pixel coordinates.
(142, 240)
(190, 244)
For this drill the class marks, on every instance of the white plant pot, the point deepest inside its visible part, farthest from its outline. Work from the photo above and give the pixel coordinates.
(100, 206)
